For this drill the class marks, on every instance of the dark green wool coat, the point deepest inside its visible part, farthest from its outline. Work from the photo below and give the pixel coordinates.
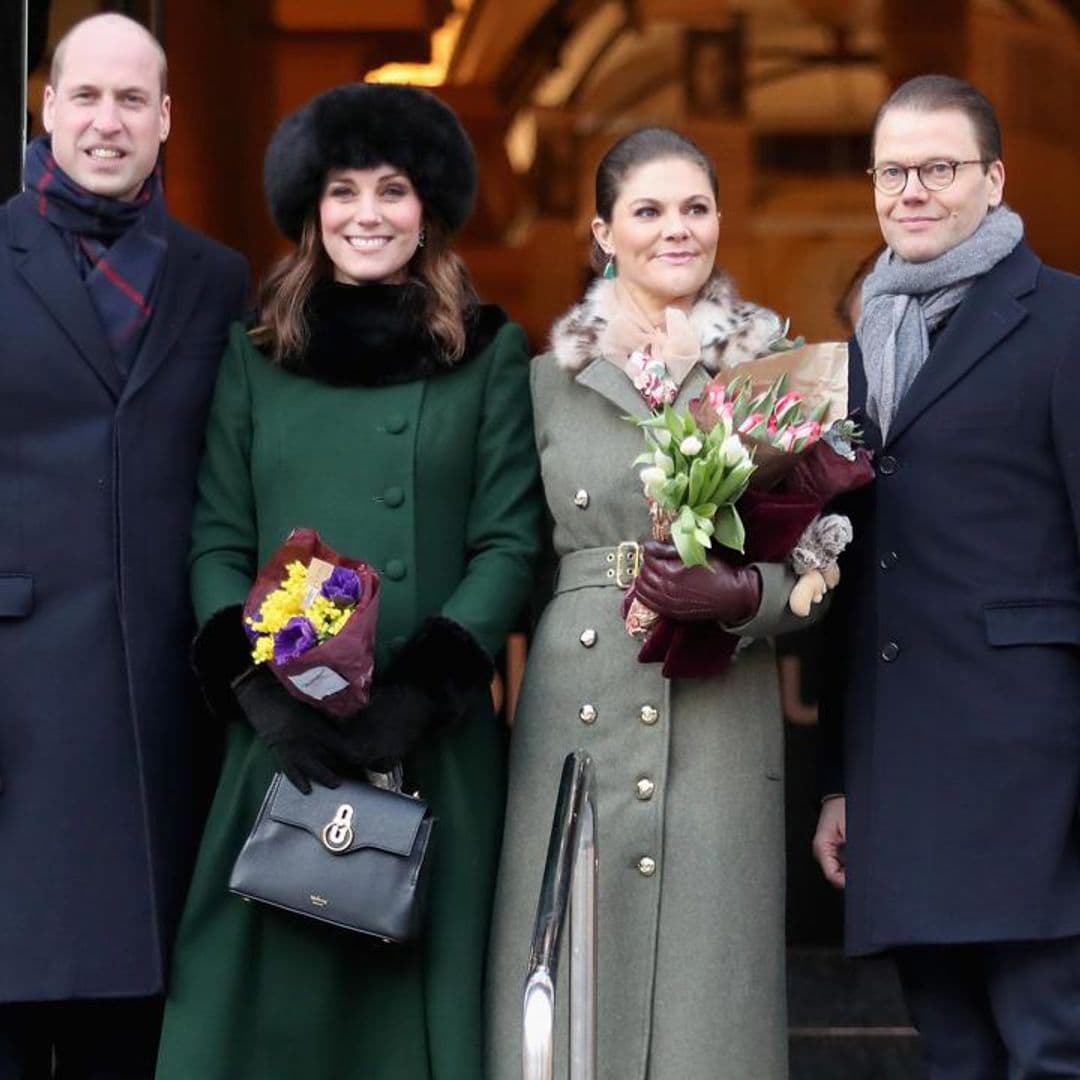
(431, 476)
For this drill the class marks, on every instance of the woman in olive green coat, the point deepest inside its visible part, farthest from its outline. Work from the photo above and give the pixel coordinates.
(689, 791)
(392, 416)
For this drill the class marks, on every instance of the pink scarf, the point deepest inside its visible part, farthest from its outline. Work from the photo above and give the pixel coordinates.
(656, 359)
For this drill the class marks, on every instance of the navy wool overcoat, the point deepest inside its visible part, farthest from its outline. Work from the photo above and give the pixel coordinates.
(955, 634)
(97, 478)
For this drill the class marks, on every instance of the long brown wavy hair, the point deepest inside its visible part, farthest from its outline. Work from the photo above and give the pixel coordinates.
(282, 327)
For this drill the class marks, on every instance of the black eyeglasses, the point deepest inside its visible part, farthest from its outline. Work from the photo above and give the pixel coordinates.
(891, 179)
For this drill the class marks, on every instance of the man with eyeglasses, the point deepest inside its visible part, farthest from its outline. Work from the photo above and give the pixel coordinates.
(952, 698)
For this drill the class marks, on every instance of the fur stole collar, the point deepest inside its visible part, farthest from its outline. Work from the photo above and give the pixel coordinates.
(731, 330)
(376, 335)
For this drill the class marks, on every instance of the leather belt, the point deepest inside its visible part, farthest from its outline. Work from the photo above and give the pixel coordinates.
(596, 567)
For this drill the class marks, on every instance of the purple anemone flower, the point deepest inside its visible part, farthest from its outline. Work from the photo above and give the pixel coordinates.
(294, 638)
(343, 586)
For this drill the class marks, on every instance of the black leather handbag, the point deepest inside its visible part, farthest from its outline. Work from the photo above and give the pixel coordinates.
(355, 856)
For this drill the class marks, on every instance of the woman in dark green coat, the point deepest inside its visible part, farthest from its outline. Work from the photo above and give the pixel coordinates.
(378, 402)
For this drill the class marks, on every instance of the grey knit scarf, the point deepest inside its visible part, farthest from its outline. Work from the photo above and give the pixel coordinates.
(903, 303)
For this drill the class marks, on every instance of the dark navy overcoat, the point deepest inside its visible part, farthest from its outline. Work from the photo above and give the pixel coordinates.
(97, 479)
(955, 634)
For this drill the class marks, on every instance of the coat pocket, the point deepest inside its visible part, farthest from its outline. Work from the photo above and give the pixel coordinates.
(16, 595)
(1033, 623)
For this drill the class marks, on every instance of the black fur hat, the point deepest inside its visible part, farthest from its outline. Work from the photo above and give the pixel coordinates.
(361, 125)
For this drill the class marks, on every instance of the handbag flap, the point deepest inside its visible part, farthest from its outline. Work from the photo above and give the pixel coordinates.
(386, 820)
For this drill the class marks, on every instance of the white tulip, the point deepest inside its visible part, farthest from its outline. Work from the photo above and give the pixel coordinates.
(734, 451)
(652, 478)
(690, 446)
(662, 437)
(664, 462)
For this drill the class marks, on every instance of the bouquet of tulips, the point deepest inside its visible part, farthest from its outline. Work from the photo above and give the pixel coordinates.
(310, 616)
(692, 477)
(745, 470)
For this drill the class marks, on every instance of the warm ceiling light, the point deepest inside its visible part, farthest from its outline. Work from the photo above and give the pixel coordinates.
(443, 41)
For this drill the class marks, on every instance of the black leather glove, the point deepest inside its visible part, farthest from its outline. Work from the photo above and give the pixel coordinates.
(307, 744)
(717, 593)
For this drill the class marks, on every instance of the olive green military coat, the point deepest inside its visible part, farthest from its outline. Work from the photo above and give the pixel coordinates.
(689, 772)
(433, 481)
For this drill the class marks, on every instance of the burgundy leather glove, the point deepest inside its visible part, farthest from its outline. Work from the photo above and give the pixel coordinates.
(717, 593)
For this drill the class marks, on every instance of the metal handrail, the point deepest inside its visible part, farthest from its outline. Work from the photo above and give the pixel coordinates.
(570, 873)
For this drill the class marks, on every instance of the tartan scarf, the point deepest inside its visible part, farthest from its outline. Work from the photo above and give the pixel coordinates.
(119, 247)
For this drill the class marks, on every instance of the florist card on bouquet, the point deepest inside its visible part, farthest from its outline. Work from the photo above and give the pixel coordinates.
(311, 618)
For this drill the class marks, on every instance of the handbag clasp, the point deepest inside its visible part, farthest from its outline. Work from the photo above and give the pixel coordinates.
(337, 834)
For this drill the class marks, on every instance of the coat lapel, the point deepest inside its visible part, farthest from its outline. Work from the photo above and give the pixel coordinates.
(49, 270)
(988, 314)
(856, 403)
(612, 383)
(175, 299)
(691, 387)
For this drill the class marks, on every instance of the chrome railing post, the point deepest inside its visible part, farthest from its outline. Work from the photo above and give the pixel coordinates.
(583, 950)
(569, 883)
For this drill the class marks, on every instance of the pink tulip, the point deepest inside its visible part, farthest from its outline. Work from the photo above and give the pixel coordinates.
(808, 429)
(791, 400)
(715, 396)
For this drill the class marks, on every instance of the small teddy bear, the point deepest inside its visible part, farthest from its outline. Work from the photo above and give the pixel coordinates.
(814, 560)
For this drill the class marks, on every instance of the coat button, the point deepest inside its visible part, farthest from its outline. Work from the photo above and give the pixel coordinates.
(649, 715)
(646, 866)
(588, 638)
(581, 498)
(888, 560)
(888, 465)
(587, 714)
(396, 423)
(393, 497)
(890, 651)
(645, 789)
(395, 569)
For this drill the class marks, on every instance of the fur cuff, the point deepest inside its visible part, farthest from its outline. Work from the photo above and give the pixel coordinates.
(220, 654)
(444, 661)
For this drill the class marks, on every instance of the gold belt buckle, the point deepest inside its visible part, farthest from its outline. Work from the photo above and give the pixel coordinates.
(627, 563)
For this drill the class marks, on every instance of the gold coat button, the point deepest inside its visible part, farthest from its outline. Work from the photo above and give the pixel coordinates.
(645, 789)
(588, 638)
(587, 713)
(649, 715)
(646, 866)
(581, 498)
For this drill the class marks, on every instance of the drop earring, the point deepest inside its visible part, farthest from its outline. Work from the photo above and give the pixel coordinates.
(609, 269)
(421, 236)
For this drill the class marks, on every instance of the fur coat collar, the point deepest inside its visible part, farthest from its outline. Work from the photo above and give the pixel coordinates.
(376, 335)
(730, 329)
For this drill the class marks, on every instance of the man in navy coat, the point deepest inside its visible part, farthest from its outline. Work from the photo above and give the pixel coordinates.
(954, 679)
(112, 320)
